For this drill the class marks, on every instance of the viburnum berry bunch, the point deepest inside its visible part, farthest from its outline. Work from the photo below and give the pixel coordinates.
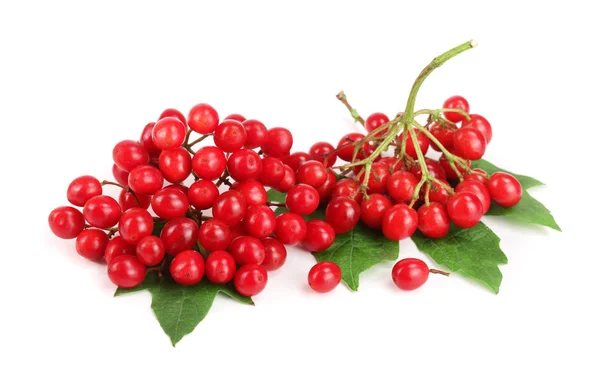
(208, 205)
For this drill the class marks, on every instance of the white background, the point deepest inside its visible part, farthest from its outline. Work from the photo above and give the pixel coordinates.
(75, 78)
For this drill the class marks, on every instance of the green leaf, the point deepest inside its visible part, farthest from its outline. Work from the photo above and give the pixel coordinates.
(527, 211)
(526, 181)
(474, 253)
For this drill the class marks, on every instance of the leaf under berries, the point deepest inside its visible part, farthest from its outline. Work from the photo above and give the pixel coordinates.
(526, 181)
(528, 211)
(474, 253)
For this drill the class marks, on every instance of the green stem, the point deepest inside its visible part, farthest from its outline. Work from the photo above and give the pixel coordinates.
(452, 159)
(437, 112)
(342, 97)
(199, 139)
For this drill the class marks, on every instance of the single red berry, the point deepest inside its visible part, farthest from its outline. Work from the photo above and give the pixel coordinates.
(433, 220)
(244, 164)
(117, 246)
(145, 180)
(399, 222)
(434, 168)
(469, 143)
(170, 203)
(438, 193)
(168, 133)
(275, 254)
(401, 186)
(505, 189)
(82, 189)
(179, 187)
(410, 273)
(250, 280)
(202, 194)
(480, 123)
(347, 188)
(342, 213)
(171, 112)
(479, 175)
(178, 235)
(66, 222)
(126, 271)
(135, 224)
(229, 207)
(230, 136)
(302, 199)
(450, 171)
(288, 180)
(373, 208)
(209, 162)
(259, 221)
(456, 102)
(444, 135)
(378, 178)
(256, 133)
(187, 268)
(345, 153)
(464, 209)
(324, 277)
(247, 250)
(375, 120)
(127, 155)
(278, 143)
(203, 118)
(295, 160)
(272, 171)
(128, 200)
(410, 146)
(290, 228)
(91, 244)
(478, 189)
(326, 189)
(235, 116)
(102, 211)
(319, 236)
(146, 139)
(214, 235)
(220, 267)
(150, 250)
(175, 164)
(121, 176)
(253, 192)
(323, 152)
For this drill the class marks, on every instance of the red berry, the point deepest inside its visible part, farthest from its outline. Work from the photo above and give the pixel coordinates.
(135, 224)
(253, 192)
(392, 162)
(168, 133)
(345, 153)
(235, 116)
(480, 123)
(214, 235)
(505, 189)
(256, 133)
(450, 172)
(145, 180)
(126, 271)
(244, 164)
(319, 236)
(128, 200)
(295, 160)
(401, 186)
(438, 194)
(435, 169)
(259, 221)
(250, 280)
(146, 139)
(378, 178)
(82, 189)
(202, 194)
(477, 174)
(150, 250)
(326, 189)
(238, 230)
(288, 180)
(456, 102)
(66, 222)
(478, 189)
(171, 112)
(179, 187)
(175, 164)
(178, 235)
(324, 277)
(444, 135)
(290, 228)
(302, 199)
(121, 176)
(91, 244)
(209, 162)
(229, 207)
(464, 209)
(272, 171)
(187, 268)
(342, 213)
(410, 146)
(220, 267)
(102, 211)
(433, 220)
(203, 119)
(278, 143)
(469, 143)
(127, 155)
(347, 188)
(322, 152)
(170, 203)
(375, 120)
(372, 210)
(399, 222)
(117, 246)
(247, 250)
(230, 135)
(410, 273)
(275, 254)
